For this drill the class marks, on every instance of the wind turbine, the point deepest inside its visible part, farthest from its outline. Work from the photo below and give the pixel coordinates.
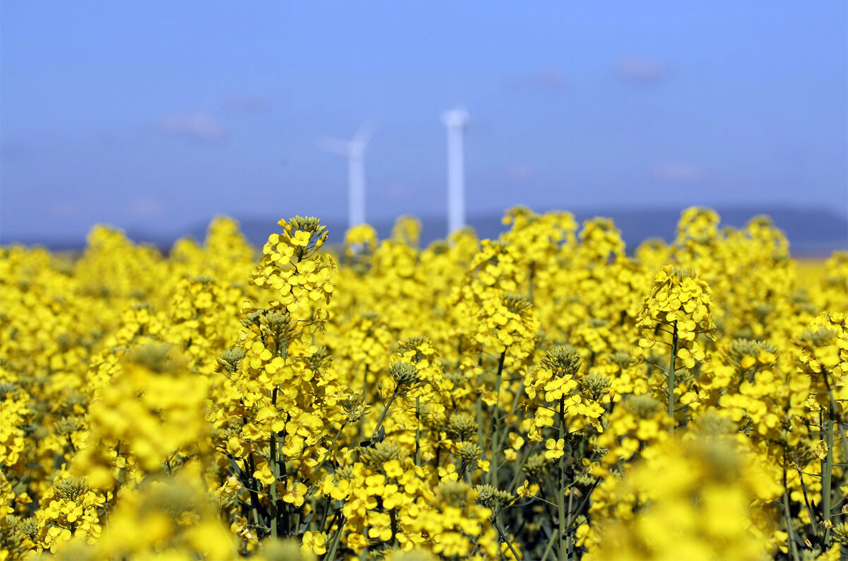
(354, 149)
(455, 120)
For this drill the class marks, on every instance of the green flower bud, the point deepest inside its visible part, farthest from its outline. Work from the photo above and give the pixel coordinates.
(562, 361)
(405, 375)
(462, 427)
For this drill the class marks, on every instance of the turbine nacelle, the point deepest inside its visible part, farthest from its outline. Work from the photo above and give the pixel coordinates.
(455, 118)
(354, 150)
(355, 147)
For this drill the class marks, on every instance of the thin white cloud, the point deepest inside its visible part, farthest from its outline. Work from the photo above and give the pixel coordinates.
(396, 190)
(677, 172)
(198, 125)
(642, 70)
(64, 209)
(248, 104)
(147, 208)
(543, 79)
(550, 78)
(520, 172)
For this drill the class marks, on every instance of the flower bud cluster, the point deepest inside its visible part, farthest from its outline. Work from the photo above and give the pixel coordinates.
(678, 307)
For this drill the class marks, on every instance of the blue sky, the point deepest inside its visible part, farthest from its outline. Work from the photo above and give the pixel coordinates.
(163, 114)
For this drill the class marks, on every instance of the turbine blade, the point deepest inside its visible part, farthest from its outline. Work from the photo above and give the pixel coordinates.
(334, 145)
(364, 134)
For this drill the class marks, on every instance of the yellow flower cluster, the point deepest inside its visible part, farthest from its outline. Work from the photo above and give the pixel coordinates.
(150, 415)
(702, 497)
(544, 395)
(679, 308)
(824, 351)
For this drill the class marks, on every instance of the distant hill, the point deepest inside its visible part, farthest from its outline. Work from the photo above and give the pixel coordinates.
(811, 232)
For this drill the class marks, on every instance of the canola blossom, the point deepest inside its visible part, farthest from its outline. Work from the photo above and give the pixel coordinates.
(541, 396)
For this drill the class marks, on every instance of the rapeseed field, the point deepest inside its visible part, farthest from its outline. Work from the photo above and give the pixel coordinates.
(542, 396)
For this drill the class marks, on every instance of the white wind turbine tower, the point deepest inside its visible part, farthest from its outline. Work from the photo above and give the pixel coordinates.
(354, 149)
(455, 120)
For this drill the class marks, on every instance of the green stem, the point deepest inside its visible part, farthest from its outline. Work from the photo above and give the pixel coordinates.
(531, 278)
(789, 529)
(671, 367)
(505, 434)
(383, 414)
(480, 403)
(332, 444)
(417, 431)
(563, 546)
(462, 468)
(364, 400)
(573, 514)
(248, 483)
(568, 543)
(275, 469)
(650, 364)
(834, 414)
(512, 486)
(499, 527)
(786, 514)
(549, 548)
(807, 501)
(331, 554)
(827, 473)
(493, 469)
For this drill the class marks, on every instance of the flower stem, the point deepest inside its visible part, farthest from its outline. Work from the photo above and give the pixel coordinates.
(786, 513)
(275, 470)
(671, 367)
(383, 414)
(493, 469)
(499, 527)
(531, 277)
(336, 539)
(364, 399)
(332, 444)
(563, 546)
(417, 431)
(827, 473)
